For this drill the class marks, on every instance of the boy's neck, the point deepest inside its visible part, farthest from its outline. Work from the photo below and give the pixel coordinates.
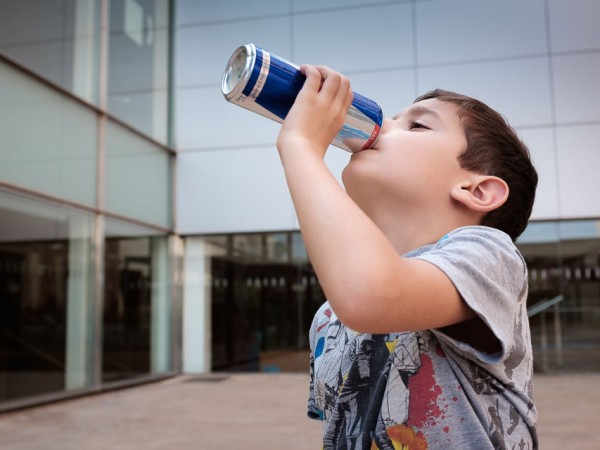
(416, 232)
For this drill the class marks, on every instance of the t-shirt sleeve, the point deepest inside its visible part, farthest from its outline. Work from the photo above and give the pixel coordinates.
(490, 275)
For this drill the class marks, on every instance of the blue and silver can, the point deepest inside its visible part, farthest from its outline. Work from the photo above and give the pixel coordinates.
(268, 85)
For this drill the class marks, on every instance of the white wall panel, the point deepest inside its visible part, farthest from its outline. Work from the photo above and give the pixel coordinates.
(574, 24)
(579, 165)
(313, 5)
(206, 120)
(518, 89)
(496, 51)
(232, 191)
(393, 90)
(542, 149)
(329, 38)
(460, 30)
(202, 11)
(203, 51)
(576, 87)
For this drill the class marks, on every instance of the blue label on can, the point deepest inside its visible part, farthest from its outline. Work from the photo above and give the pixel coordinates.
(281, 85)
(369, 108)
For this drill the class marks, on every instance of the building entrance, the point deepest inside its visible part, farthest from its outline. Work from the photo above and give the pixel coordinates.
(261, 315)
(262, 294)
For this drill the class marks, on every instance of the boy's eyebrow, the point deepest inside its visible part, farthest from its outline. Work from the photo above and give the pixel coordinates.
(418, 110)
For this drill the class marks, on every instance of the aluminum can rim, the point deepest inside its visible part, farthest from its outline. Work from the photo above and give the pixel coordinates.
(238, 70)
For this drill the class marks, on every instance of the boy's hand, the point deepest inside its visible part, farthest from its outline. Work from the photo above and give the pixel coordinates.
(318, 112)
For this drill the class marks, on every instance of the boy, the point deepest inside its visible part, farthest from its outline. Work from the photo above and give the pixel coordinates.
(424, 341)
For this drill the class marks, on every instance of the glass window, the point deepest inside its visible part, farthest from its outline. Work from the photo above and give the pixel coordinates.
(138, 68)
(47, 141)
(564, 260)
(137, 313)
(262, 301)
(248, 245)
(540, 245)
(299, 254)
(138, 177)
(277, 247)
(57, 39)
(46, 293)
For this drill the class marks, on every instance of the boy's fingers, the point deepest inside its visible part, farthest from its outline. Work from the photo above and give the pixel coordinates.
(313, 77)
(331, 86)
(334, 83)
(331, 80)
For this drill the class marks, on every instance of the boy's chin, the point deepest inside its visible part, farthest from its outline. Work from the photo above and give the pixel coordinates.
(354, 179)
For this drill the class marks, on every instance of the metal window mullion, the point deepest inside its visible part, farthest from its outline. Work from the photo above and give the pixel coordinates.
(176, 255)
(99, 243)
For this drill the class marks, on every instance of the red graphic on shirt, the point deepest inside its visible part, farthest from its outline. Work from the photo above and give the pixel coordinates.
(327, 312)
(423, 409)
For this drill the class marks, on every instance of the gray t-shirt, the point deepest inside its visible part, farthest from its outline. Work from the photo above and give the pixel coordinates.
(427, 389)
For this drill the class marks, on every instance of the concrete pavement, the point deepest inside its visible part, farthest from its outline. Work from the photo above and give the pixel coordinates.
(249, 411)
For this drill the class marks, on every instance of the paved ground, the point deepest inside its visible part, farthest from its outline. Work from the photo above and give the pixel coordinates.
(250, 411)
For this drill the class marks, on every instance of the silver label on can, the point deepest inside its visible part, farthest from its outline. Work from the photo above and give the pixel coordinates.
(262, 77)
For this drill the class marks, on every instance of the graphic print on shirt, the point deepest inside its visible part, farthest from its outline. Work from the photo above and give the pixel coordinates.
(388, 392)
(367, 386)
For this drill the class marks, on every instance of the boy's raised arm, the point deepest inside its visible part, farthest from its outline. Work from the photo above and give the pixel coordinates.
(369, 285)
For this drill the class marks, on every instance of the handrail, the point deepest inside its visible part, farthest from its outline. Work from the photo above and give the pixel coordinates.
(541, 308)
(544, 305)
(34, 349)
(50, 358)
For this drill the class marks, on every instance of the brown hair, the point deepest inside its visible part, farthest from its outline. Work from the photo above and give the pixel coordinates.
(493, 148)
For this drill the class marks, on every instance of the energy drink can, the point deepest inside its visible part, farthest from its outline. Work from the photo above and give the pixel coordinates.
(268, 85)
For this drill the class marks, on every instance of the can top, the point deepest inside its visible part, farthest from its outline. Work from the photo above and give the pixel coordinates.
(238, 71)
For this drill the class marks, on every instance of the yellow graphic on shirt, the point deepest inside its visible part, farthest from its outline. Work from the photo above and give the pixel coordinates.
(405, 438)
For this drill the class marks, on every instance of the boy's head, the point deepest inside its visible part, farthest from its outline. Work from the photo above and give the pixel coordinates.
(493, 148)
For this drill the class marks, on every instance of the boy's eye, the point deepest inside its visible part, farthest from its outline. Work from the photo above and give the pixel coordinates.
(412, 125)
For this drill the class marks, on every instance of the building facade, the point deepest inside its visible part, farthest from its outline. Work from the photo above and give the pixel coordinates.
(87, 247)
(145, 225)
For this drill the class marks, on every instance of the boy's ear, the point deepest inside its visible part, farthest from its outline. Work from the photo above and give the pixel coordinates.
(483, 193)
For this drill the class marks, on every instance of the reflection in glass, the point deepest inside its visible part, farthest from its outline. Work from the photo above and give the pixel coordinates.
(298, 249)
(248, 245)
(138, 176)
(46, 332)
(277, 247)
(138, 66)
(47, 141)
(564, 259)
(262, 302)
(57, 39)
(136, 320)
(264, 293)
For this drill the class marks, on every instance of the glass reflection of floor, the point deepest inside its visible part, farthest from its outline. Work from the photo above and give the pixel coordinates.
(580, 350)
(281, 361)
